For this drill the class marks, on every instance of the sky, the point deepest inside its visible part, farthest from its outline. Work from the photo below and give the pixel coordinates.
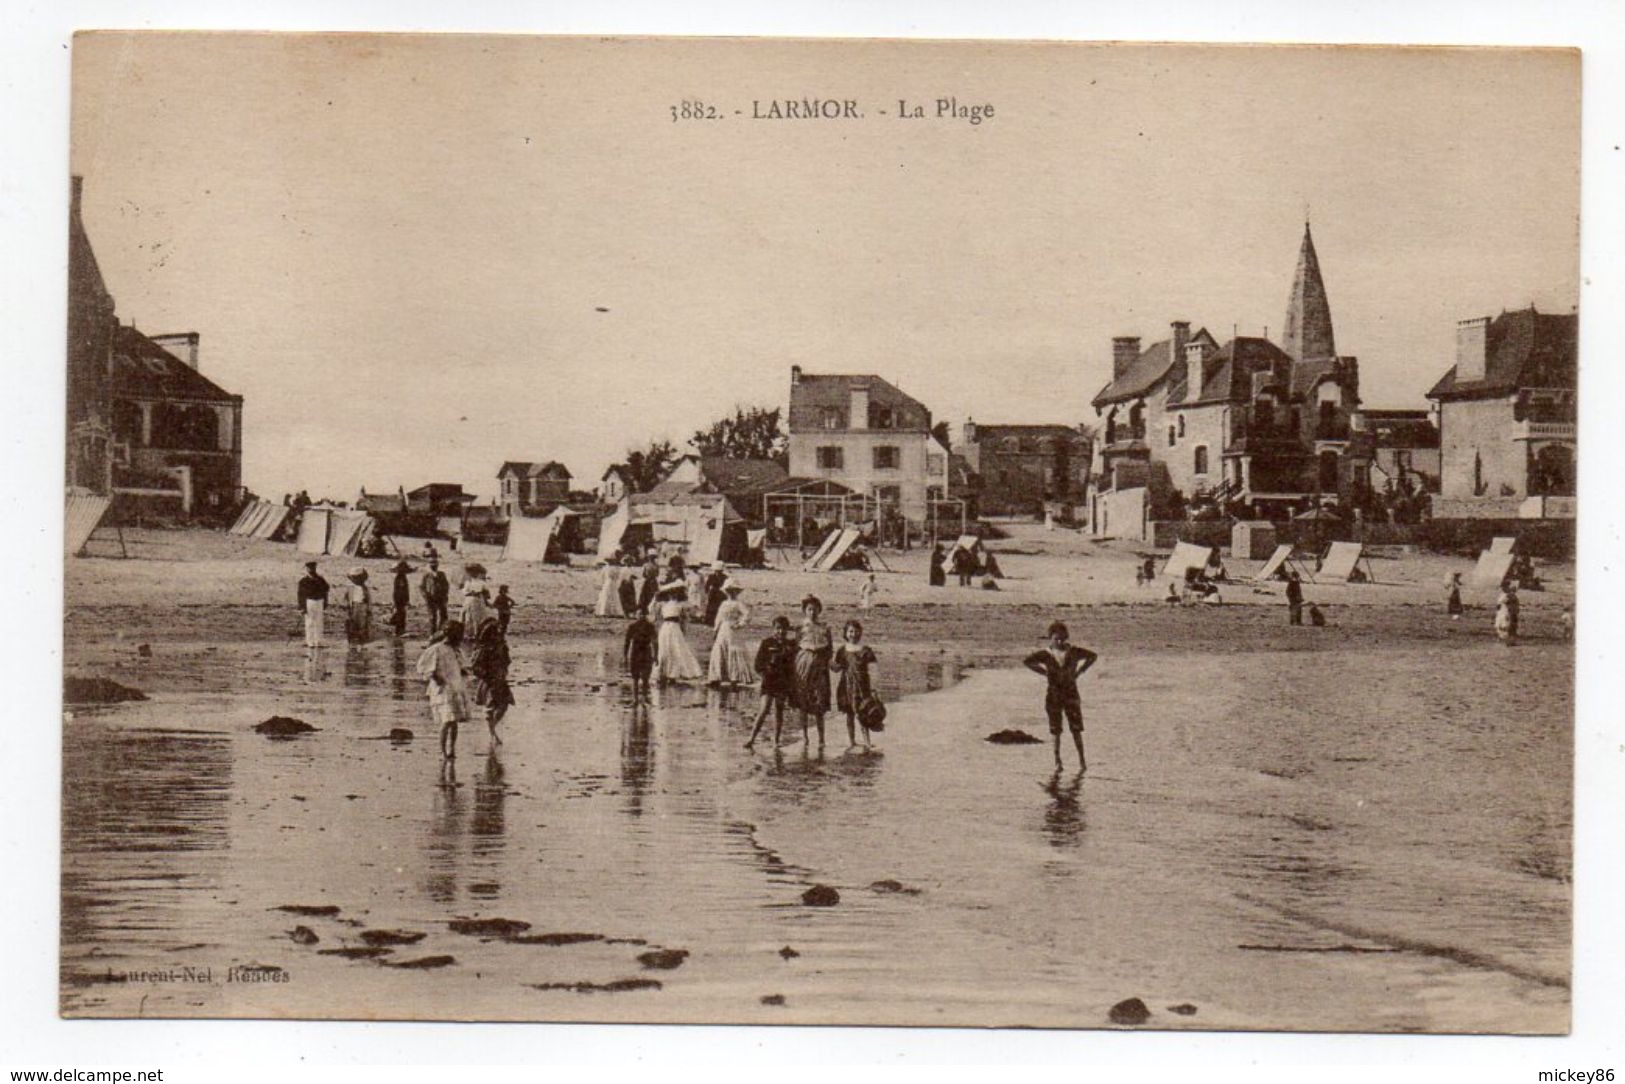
(419, 256)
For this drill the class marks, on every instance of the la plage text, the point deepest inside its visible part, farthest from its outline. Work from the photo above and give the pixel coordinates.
(950, 108)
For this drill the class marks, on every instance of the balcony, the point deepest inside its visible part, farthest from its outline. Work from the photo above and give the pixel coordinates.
(1529, 429)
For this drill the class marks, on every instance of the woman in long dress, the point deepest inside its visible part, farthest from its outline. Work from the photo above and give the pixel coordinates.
(813, 649)
(1506, 614)
(608, 591)
(441, 667)
(674, 659)
(1452, 596)
(731, 663)
(476, 597)
(358, 612)
(854, 660)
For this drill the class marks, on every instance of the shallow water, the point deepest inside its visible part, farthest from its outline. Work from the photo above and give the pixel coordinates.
(1370, 840)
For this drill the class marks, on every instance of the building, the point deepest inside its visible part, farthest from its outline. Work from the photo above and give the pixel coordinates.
(1249, 425)
(383, 504)
(865, 434)
(614, 485)
(439, 499)
(92, 326)
(174, 429)
(1017, 468)
(1396, 449)
(743, 481)
(1507, 418)
(532, 488)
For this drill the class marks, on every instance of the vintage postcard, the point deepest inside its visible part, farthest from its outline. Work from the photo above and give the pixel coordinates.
(820, 532)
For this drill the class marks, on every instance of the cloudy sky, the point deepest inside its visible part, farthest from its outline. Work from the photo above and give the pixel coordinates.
(397, 248)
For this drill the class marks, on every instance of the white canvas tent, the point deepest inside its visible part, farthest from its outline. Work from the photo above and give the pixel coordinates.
(1502, 544)
(614, 529)
(313, 531)
(273, 522)
(823, 549)
(262, 513)
(346, 531)
(833, 553)
(1273, 566)
(242, 518)
(1492, 568)
(83, 513)
(1186, 556)
(1341, 561)
(531, 538)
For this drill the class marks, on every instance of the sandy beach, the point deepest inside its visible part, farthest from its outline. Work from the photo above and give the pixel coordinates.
(1360, 827)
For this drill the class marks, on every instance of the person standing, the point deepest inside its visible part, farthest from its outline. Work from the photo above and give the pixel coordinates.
(854, 660)
(476, 596)
(1061, 664)
(400, 598)
(964, 565)
(638, 654)
(489, 667)
(730, 662)
(1294, 598)
(937, 576)
(503, 605)
(675, 659)
(313, 604)
(715, 593)
(776, 663)
(436, 591)
(358, 608)
(441, 667)
(648, 588)
(866, 592)
(608, 591)
(629, 591)
(814, 646)
(1452, 596)
(1506, 613)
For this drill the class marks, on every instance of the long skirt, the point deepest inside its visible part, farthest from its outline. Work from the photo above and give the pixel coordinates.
(475, 611)
(313, 622)
(358, 622)
(730, 661)
(608, 600)
(812, 682)
(675, 660)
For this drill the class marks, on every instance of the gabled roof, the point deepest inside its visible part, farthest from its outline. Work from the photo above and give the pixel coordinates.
(811, 393)
(741, 477)
(144, 370)
(526, 469)
(1147, 372)
(1524, 349)
(617, 469)
(1227, 375)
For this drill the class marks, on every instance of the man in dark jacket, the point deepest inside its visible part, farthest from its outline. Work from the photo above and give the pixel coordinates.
(312, 603)
(436, 593)
(402, 598)
(1294, 598)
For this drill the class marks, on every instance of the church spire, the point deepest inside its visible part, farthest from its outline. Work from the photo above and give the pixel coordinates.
(1308, 331)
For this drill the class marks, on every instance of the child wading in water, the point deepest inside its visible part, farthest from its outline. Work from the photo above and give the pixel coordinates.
(1062, 663)
(489, 667)
(776, 662)
(638, 654)
(441, 664)
(854, 660)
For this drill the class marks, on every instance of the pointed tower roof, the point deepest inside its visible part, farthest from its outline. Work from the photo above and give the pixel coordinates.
(1308, 330)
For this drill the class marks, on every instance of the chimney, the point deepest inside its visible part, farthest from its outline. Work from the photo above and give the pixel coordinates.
(858, 418)
(1472, 348)
(1125, 352)
(183, 344)
(1195, 355)
(967, 435)
(795, 375)
(1179, 333)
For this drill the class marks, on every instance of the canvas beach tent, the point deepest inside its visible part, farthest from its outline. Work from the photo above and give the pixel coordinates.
(272, 525)
(1186, 556)
(1492, 568)
(346, 531)
(242, 518)
(830, 555)
(312, 537)
(1342, 561)
(613, 529)
(1276, 563)
(82, 515)
(537, 538)
(1501, 544)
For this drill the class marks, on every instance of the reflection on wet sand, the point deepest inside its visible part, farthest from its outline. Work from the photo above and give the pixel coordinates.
(1063, 817)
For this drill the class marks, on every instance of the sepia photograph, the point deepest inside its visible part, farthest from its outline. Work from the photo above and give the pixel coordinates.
(820, 532)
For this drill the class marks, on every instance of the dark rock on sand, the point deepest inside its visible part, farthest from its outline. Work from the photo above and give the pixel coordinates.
(788, 953)
(772, 999)
(77, 690)
(665, 959)
(392, 937)
(356, 952)
(1131, 1011)
(489, 927)
(820, 896)
(556, 938)
(422, 963)
(280, 726)
(144, 650)
(400, 733)
(303, 935)
(895, 887)
(309, 910)
(1184, 1009)
(1012, 737)
(615, 987)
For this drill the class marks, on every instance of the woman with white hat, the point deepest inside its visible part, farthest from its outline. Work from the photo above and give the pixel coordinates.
(674, 659)
(730, 660)
(609, 591)
(358, 614)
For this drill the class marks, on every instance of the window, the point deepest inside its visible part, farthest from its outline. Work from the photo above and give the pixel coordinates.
(831, 417)
(1199, 458)
(830, 458)
(935, 464)
(1170, 436)
(880, 417)
(887, 457)
(1182, 425)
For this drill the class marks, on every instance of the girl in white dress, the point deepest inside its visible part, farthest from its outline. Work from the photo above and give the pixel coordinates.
(609, 602)
(731, 663)
(441, 667)
(674, 659)
(476, 596)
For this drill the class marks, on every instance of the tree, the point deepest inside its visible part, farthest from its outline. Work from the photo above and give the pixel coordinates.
(940, 431)
(646, 467)
(752, 433)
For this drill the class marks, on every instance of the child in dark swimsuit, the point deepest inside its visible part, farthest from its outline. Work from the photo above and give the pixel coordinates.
(1061, 664)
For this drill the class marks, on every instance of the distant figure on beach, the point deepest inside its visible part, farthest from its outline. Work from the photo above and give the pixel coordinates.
(854, 660)
(675, 660)
(436, 592)
(628, 590)
(638, 653)
(964, 565)
(776, 663)
(429, 552)
(441, 667)
(867, 591)
(1317, 619)
(1452, 596)
(488, 665)
(936, 576)
(730, 660)
(1568, 624)
(400, 598)
(814, 646)
(1172, 597)
(1506, 613)
(1061, 664)
(647, 587)
(716, 593)
(503, 604)
(476, 596)
(312, 603)
(358, 608)
(694, 586)
(1294, 598)
(609, 585)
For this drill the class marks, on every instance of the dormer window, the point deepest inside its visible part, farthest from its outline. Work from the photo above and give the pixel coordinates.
(881, 417)
(831, 418)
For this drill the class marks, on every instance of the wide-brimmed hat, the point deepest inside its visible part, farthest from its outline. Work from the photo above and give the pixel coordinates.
(732, 587)
(311, 565)
(358, 574)
(401, 566)
(672, 588)
(474, 568)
